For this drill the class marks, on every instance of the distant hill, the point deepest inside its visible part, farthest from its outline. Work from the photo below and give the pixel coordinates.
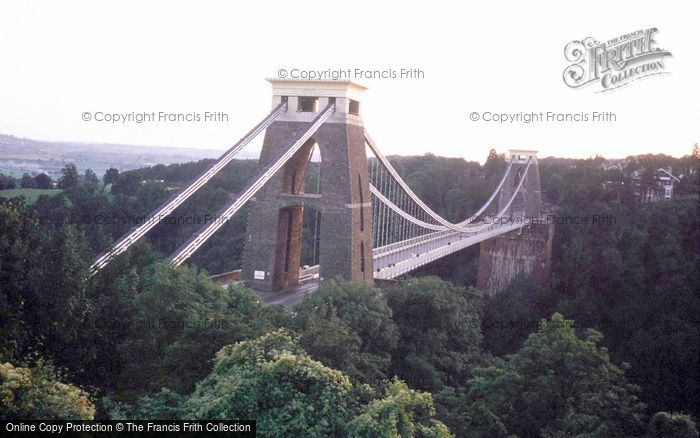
(23, 155)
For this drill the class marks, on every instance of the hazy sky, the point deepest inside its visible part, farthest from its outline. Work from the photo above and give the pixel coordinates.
(60, 59)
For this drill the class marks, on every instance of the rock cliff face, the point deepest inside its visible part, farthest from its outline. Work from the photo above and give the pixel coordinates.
(504, 257)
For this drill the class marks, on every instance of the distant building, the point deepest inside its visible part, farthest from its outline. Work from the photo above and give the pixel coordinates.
(610, 165)
(654, 187)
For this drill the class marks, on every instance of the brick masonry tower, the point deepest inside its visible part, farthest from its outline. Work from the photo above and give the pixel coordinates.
(272, 251)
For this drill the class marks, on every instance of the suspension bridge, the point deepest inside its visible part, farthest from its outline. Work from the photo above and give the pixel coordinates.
(372, 225)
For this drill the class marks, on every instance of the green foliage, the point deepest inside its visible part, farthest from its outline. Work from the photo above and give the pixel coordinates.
(27, 182)
(637, 283)
(467, 420)
(181, 319)
(69, 178)
(348, 326)
(140, 326)
(110, 176)
(272, 380)
(43, 181)
(7, 182)
(635, 280)
(439, 332)
(557, 385)
(43, 301)
(91, 177)
(163, 405)
(453, 187)
(495, 165)
(511, 315)
(402, 412)
(138, 192)
(35, 393)
(127, 183)
(133, 329)
(675, 425)
(30, 195)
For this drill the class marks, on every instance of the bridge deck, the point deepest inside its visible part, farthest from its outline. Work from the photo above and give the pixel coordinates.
(397, 261)
(290, 297)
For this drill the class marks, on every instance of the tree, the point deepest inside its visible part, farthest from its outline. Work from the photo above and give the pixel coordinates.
(111, 320)
(163, 405)
(69, 178)
(43, 181)
(272, 380)
(6, 182)
(402, 412)
(329, 339)
(637, 283)
(91, 177)
(556, 385)
(348, 326)
(664, 424)
(110, 176)
(512, 314)
(128, 184)
(466, 420)
(42, 286)
(439, 332)
(495, 165)
(27, 182)
(35, 393)
(180, 319)
(55, 291)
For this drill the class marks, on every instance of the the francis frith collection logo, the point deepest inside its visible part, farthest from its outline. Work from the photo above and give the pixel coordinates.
(614, 63)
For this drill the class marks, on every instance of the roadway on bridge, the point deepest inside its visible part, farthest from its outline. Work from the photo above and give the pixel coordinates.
(402, 257)
(290, 297)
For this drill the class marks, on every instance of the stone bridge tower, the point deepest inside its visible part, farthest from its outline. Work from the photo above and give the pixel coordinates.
(272, 251)
(527, 250)
(530, 199)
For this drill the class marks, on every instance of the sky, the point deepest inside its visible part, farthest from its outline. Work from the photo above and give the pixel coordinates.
(59, 60)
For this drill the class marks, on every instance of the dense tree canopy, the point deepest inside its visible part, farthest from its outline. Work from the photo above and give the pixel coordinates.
(511, 315)
(43, 298)
(140, 335)
(557, 384)
(402, 412)
(272, 380)
(348, 326)
(664, 424)
(7, 182)
(439, 333)
(35, 393)
(43, 181)
(180, 320)
(69, 177)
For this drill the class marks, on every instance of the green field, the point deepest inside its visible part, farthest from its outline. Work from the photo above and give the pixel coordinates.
(30, 195)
